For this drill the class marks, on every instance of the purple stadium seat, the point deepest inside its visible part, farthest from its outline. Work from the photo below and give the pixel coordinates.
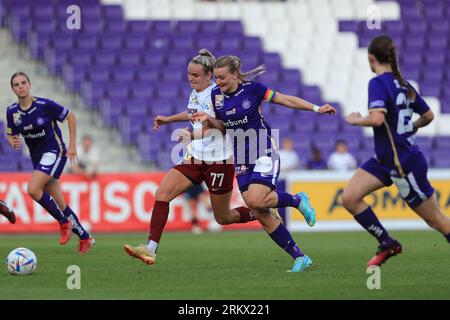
(187, 28)
(211, 28)
(209, 43)
(141, 27)
(233, 28)
(112, 13)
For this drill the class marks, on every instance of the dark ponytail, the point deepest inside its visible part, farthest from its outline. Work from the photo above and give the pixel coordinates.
(383, 48)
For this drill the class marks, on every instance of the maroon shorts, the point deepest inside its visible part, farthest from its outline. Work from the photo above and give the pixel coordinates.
(219, 177)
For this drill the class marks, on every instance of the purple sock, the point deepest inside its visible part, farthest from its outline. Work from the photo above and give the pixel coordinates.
(369, 221)
(287, 200)
(49, 204)
(448, 237)
(283, 238)
(77, 228)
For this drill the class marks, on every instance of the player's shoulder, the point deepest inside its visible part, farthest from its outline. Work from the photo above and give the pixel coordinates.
(215, 90)
(13, 107)
(42, 101)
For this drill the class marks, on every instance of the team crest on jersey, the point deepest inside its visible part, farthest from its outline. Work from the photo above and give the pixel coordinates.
(219, 101)
(246, 104)
(17, 118)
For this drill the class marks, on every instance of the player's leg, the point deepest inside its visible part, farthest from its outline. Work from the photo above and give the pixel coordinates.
(430, 211)
(193, 197)
(54, 189)
(174, 183)
(220, 178)
(275, 228)
(36, 191)
(420, 196)
(361, 184)
(266, 172)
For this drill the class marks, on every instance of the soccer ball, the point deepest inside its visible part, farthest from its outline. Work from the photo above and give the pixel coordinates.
(21, 261)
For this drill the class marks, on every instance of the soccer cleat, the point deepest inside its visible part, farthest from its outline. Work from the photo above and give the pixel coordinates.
(85, 245)
(383, 254)
(274, 213)
(306, 209)
(8, 213)
(140, 252)
(301, 263)
(65, 232)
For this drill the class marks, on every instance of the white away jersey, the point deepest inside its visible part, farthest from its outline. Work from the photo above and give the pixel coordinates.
(216, 147)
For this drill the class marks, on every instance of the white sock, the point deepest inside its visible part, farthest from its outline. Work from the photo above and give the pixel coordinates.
(153, 247)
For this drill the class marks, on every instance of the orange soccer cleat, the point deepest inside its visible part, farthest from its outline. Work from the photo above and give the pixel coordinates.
(85, 245)
(65, 232)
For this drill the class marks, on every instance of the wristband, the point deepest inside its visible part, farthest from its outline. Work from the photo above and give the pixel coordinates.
(316, 108)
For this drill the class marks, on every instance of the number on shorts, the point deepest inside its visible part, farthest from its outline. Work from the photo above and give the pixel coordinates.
(214, 176)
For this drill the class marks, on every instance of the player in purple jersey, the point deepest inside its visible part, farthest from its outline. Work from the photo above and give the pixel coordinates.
(237, 104)
(35, 120)
(392, 102)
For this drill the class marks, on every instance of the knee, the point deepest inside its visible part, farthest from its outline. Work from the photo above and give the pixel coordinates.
(223, 220)
(163, 194)
(348, 200)
(255, 202)
(34, 192)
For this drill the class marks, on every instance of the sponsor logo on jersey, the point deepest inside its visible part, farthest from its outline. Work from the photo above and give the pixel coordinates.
(219, 101)
(246, 104)
(231, 123)
(17, 118)
(232, 111)
(35, 135)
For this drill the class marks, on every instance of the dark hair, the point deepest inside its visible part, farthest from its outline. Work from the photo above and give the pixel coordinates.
(206, 59)
(340, 141)
(20, 73)
(383, 48)
(234, 65)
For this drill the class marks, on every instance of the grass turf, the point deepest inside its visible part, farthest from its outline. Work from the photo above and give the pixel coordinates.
(231, 265)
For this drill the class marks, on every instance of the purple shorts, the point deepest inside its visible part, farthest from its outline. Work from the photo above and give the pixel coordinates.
(51, 164)
(265, 171)
(414, 187)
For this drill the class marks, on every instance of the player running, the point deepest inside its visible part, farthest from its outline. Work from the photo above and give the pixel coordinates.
(392, 102)
(208, 158)
(237, 104)
(35, 119)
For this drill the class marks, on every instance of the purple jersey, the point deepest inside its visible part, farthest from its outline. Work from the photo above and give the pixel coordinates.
(38, 126)
(394, 140)
(242, 110)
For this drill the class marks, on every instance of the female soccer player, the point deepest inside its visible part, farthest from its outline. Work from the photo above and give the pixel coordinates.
(209, 159)
(237, 104)
(392, 102)
(35, 119)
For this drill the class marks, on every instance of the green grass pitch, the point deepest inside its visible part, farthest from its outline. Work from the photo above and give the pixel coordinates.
(231, 265)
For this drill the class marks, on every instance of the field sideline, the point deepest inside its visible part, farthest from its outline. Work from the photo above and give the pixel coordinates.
(231, 265)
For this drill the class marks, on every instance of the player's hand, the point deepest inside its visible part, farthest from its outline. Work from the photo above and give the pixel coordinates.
(159, 120)
(184, 135)
(199, 116)
(352, 118)
(72, 153)
(16, 142)
(327, 109)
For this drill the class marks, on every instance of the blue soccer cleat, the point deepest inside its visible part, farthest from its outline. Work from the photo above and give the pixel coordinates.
(301, 263)
(306, 209)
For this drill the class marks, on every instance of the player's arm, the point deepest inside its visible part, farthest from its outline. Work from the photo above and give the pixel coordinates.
(374, 119)
(424, 120)
(300, 104)
(14, 141)
(208, 122)
(72, 150)
(179, 117)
